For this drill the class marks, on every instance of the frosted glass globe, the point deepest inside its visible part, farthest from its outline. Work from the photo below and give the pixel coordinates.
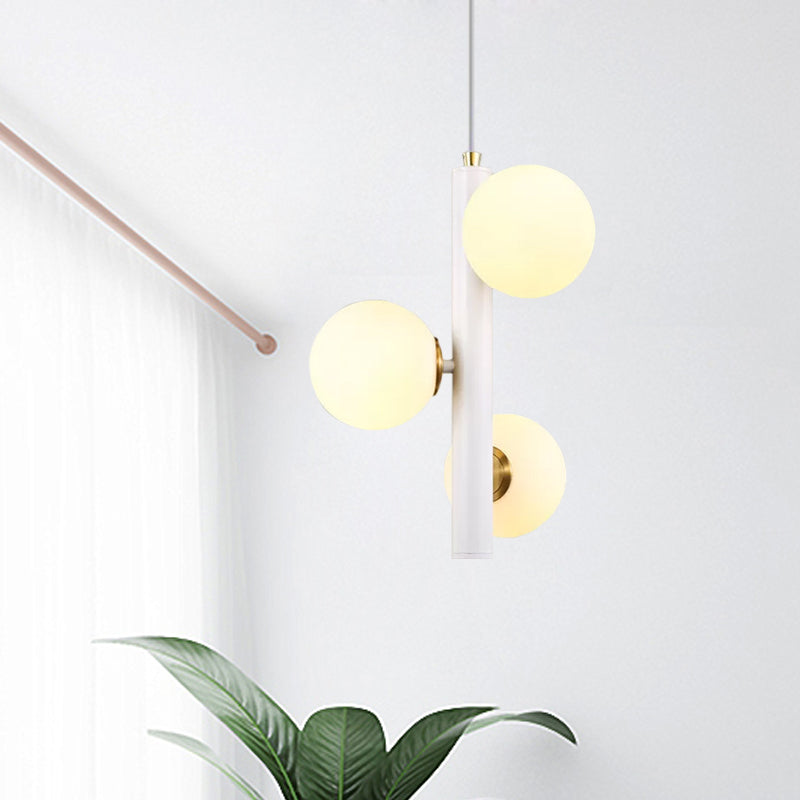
(538, 475)
(373, 364)
(528, 231)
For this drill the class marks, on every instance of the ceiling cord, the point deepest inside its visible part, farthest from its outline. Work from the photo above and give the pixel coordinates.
(471, 76)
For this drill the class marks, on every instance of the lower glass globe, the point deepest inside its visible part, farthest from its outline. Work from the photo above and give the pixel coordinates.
(373, 364)
(528, 231)
(538, 475)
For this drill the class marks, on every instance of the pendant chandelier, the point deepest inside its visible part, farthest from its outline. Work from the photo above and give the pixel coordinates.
(527, 231)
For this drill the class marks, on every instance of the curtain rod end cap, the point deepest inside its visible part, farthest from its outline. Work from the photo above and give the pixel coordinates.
(267, 346)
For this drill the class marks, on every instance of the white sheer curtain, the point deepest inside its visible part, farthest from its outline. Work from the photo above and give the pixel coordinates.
(115, 507)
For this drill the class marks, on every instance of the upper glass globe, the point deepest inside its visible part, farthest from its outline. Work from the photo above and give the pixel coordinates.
(528, 231)
(373, 365)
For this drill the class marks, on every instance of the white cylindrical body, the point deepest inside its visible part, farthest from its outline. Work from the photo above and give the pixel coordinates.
(472, 388)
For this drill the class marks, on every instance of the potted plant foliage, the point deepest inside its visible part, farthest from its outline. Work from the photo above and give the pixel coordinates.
(339, 754)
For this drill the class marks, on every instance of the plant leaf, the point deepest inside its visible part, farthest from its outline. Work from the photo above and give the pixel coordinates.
(207, 754)
(234, 699)
(339, 747)
(542, 718)
(418, 753)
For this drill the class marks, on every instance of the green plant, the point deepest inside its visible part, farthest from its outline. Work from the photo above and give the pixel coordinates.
(340, 754)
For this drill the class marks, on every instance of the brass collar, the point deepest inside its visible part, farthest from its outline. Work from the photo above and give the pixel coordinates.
(439, 367)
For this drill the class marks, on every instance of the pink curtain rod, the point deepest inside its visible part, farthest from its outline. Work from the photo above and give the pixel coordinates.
(265, 343)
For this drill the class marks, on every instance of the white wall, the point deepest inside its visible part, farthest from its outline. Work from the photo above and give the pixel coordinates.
(296, 156)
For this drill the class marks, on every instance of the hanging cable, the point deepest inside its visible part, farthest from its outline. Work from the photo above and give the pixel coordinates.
(471, 75)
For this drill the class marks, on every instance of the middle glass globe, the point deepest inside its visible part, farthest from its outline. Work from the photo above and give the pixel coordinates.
(374, 365)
